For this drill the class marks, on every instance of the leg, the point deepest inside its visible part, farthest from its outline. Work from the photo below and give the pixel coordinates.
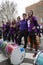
(19, 37)
(9, 37)
(4, 36)
(35, 43)
(15, 36)
(31, 39)
(0, 34)
(12, 36)
(25, 38)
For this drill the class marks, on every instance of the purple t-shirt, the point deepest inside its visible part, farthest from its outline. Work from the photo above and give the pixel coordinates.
(17, 25)
(31, 24)
(12, 30)
(23, 25)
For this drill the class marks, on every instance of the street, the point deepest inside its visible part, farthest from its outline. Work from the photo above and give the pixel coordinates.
(28, 60)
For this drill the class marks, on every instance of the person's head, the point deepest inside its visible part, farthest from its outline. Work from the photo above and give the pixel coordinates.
(18, 18)
(24, 15)
(13, 22)
(30, 13)
(8, 22)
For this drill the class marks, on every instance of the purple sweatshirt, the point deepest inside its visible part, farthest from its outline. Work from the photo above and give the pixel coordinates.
(31, 24)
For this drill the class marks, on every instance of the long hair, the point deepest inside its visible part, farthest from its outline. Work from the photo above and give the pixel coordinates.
(13, 21)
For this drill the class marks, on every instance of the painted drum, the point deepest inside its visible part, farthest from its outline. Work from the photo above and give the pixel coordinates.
(17, 55)
(39, 59)
(4, 44)
(9, 48)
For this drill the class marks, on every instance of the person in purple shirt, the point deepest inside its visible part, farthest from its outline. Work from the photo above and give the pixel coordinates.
(0, 32)
(32, 29)
(4, 30)
(23, 30)
(12, 31)
(17, 27)
(18, 22)
(7, 29)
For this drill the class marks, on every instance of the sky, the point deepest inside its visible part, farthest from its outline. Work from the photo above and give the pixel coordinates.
(22, 4)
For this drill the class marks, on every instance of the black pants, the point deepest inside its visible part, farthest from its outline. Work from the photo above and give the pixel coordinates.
(33, 39)
(12, 37)
(21, 34)
(0, 34)
(4, 36)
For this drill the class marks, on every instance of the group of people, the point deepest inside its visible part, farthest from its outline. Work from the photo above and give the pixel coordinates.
(27, 27)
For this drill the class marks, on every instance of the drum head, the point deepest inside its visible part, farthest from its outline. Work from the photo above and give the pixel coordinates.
(17, 55)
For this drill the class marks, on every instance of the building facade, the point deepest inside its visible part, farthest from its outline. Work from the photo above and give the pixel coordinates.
(38, 11)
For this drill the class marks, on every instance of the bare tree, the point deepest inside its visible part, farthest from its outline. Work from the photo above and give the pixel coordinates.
(8, 11)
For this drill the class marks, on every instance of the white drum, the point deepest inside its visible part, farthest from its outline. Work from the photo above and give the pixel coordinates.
(17, 55)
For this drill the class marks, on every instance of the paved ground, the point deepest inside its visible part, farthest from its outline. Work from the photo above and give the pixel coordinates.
(28, 56)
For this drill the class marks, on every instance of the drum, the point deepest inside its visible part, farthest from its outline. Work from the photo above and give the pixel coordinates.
(17, 55)
(4, 44)
(39, 58)
(9, 48)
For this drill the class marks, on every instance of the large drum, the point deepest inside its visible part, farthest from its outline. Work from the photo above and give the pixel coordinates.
(39, 59)
(17, 55)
